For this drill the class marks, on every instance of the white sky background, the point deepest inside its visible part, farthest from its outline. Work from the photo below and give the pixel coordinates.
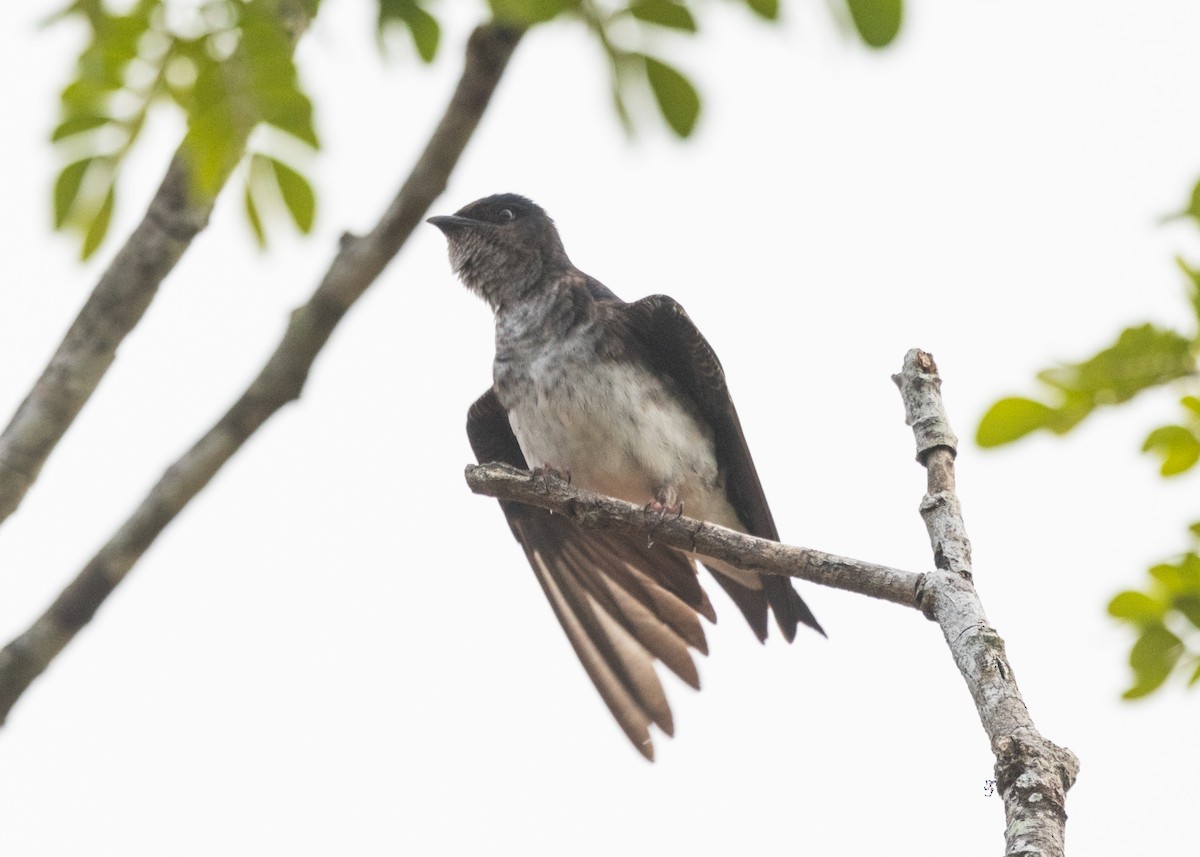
(339, 649)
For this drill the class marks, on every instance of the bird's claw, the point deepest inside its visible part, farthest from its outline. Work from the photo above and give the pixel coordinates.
(545, 473)
(659, 510)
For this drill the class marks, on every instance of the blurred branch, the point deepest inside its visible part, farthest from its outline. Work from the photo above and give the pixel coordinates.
(596, 512)
(1032, 773)
(175, 216)
(359, 261)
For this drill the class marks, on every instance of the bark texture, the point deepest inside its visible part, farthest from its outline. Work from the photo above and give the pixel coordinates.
(1032, 773)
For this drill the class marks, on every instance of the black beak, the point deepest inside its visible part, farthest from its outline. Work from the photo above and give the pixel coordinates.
(451, 222)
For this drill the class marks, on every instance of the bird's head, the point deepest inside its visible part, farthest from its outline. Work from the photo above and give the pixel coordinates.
(500, 246)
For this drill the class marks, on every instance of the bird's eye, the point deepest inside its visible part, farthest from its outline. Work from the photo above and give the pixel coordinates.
(505, 214)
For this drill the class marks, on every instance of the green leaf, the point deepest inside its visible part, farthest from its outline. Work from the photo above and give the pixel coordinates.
(768, 9)
(1193, 209)
(1193, 276)
(529, 12)
(1177, 446)
(1191, 403)
(77, 124)
(297, 195)
(1012, 418)
(1189, 573)
(1152, 657)
(66, 189)
(98, 228)
(1195, 675)
(1194, 529)
(1170, 576)
(877, 21)
(665, 13)
(256, 226)
(1136, 607)
(676, 97)
(1141, 358)
(426, 33)
(1189, 607)
(291, 111)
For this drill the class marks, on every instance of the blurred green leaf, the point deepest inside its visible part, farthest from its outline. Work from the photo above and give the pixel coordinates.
(676, 97)
(252, 215)
(1142, 357)
(529, 12)
(1189, 573)
(66, 189)
(297, 195)
(1170, 576)
(1189, 607)
(98, 227)
(1193, 276)
(665, 13)
(423, 27)
(768, 9)
(1153, 657)
(877, 21)
(1195, 675)
(1136, 607)
(77, 124)
(1015, 417)
(1177, 446)
(1194, 529)
(1193, 209)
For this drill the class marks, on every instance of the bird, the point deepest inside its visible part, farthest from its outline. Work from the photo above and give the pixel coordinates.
(629, 400)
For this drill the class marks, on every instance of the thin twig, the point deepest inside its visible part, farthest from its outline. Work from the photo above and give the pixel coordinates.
(358, 262)
(595, 511)
(1032, 773)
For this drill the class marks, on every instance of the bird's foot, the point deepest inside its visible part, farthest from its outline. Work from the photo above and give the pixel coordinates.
(545, 473)
(658, 509)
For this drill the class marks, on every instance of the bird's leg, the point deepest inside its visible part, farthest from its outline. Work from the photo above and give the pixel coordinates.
(665, 502)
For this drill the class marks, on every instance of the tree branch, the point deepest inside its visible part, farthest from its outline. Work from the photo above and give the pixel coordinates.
(1032, 773)
(358, 262)
(596, 512)
(175, 216)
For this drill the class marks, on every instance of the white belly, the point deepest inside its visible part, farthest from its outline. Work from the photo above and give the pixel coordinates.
(615, 430)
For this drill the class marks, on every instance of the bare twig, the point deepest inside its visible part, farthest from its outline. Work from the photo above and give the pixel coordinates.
(597, 512)
(358, 262)
(176, 215)
(1032, 773)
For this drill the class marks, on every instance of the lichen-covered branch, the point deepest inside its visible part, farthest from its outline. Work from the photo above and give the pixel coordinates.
(595, 511)
(175, 216)
(1032, 773)
(357, 264)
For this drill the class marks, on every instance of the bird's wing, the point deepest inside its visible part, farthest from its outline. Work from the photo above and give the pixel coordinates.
(622, 603)
(674, 346)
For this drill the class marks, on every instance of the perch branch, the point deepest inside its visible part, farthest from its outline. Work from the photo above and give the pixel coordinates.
(358, 262)
(595, 511)
(1032, 774)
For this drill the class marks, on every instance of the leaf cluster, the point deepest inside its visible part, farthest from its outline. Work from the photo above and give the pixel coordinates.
(1166, 617)
(227, 64)
(1165, 613)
